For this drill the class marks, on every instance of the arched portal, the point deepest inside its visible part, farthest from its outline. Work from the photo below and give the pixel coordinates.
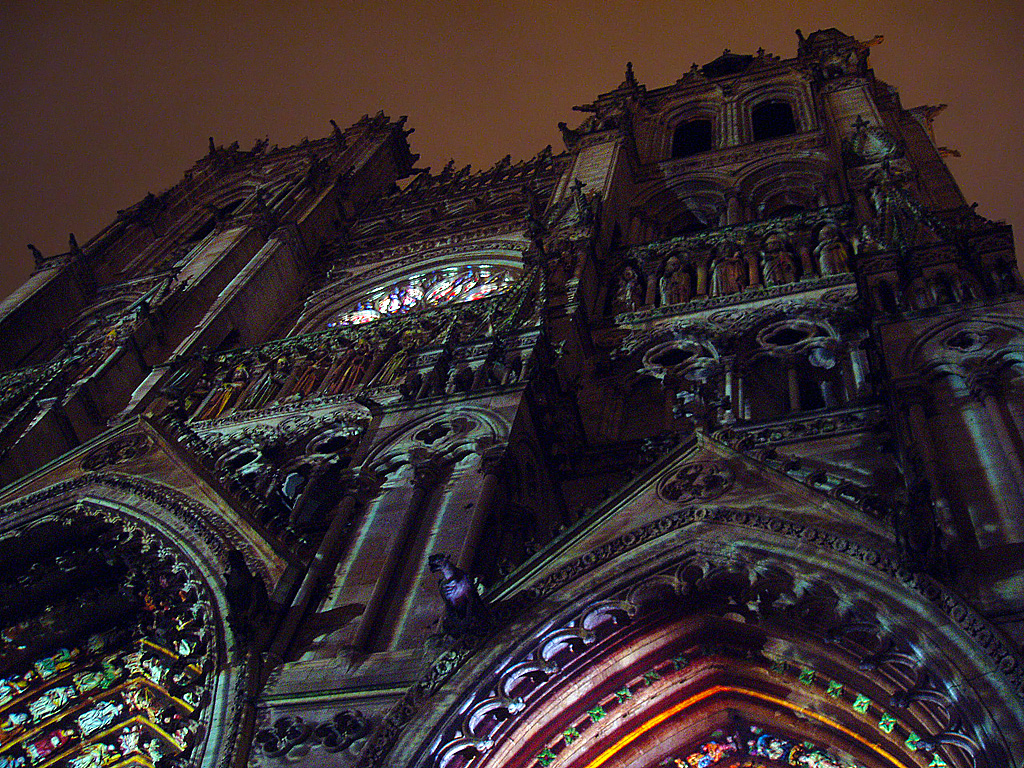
(719, 637)
(115, 645)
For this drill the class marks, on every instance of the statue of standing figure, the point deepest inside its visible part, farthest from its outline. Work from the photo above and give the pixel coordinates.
(831, 252)
(628, 294)
(728, 271)
(674, 284)
(777, 264)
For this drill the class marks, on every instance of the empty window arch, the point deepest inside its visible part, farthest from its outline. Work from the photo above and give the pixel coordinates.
(692, 137)
(771, 119)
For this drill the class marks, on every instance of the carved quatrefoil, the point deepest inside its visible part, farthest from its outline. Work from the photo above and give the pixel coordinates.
(697, 481)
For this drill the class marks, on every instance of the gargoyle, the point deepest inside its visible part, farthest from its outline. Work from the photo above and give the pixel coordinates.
(464, 609)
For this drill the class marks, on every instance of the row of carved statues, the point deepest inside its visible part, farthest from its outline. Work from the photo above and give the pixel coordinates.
(777, 259)
(331, 370)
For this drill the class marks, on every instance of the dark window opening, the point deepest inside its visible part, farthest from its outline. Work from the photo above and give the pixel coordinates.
(692, 138)
(772, 119)
(685, 224)
(784, 211)
(811, 396)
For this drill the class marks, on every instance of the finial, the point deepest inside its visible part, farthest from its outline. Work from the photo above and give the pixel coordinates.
(37, 257)
(630, 77)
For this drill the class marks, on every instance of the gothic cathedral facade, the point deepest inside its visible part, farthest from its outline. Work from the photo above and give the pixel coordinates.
(698, 443)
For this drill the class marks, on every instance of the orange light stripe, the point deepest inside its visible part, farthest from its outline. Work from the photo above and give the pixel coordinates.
(661, 717)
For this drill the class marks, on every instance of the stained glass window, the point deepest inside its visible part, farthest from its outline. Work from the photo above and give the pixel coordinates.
(757, 743)
(428, 289)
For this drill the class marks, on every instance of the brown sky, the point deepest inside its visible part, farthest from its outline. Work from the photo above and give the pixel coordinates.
(103, 102)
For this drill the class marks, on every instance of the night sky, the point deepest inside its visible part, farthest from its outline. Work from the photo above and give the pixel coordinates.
(101, 103)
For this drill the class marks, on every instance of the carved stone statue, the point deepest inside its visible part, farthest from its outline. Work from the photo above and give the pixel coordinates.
(728, 272)
(831, 252)
(674, 285)
(628, 296)
(777, 262)
(464, 609)
(246, 595)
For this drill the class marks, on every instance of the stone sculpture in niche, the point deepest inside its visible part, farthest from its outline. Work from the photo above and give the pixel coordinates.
(777, 262)
(831, 252)
(628, 295)
(728, 271)
(674, 285)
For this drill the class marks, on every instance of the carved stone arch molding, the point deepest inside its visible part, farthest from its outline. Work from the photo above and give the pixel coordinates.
(768, 185)
(795, 91)
(958, 341)
(726, 632)
(709, 107)
(439, 438)
(144, 662)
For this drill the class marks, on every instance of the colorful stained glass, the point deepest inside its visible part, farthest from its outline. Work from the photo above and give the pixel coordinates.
(429, 289)
(710, 753)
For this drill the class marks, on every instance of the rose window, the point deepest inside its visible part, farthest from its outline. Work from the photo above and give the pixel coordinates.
(428, 289)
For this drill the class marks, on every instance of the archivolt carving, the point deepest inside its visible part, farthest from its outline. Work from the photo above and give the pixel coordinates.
(761, 587)
(182, 643)
(182, 518)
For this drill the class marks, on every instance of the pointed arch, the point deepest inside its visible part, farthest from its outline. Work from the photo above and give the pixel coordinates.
(145, 660)
(752, 627)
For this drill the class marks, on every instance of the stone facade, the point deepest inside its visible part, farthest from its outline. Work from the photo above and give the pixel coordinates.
(697, 443)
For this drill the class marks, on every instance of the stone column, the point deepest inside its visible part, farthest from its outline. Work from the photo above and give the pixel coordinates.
(986, 483)
(1013, 401)
(793, 380)
(651, 295)
(731, 389)
(424, 480)
(701, 267)
(491, 460)
(358, 486)
(913, 402)
(733, 208)
(742, 396)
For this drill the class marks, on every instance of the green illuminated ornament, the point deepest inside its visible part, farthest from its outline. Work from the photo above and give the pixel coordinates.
(861, 703)
(597, 713)
(570, 735)
(834, 689)
(807, 676)
(623, 694)
(886, 723)
(545, 757)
